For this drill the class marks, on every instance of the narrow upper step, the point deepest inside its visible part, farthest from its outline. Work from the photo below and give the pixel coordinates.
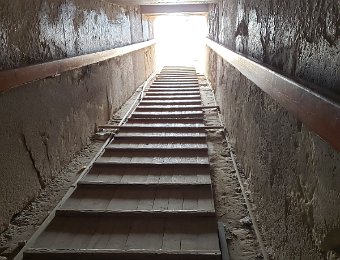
(173, 97)
(171, 93)
(145, 102)
(149, 174)
(123, 199)
(179, 90)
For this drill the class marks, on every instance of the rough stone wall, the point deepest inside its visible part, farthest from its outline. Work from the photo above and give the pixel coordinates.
(42, 30)
(300, 38)
(43, 124)
(293, 175)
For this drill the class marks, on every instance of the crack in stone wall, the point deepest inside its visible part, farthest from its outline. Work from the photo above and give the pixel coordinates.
(39, 175)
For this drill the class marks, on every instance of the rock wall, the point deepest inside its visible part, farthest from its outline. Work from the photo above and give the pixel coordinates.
(45, 30)
(43, 124)
(300, 38)
(293, 175)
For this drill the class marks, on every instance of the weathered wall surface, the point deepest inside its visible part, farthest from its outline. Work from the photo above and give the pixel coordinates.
(300, 38)
(45, 123)
(43, 30)
(294, 176)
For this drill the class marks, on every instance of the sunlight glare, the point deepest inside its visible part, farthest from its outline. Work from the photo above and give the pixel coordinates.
(181, 40)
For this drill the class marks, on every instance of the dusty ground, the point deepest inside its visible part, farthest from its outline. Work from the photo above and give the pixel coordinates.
(23, 225)
(229, 202)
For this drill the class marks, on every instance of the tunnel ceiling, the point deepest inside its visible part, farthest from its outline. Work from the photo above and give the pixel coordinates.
(161, 2)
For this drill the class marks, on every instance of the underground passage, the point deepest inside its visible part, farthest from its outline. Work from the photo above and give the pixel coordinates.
(166, 129)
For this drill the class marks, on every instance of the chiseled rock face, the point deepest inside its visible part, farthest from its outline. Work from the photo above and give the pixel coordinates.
(43, 124)
(294, 176)
(300, 38)
(45, 30)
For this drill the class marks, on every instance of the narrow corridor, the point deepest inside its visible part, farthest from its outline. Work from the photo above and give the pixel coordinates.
(149, 195)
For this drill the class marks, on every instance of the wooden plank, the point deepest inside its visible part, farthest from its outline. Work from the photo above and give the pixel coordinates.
(153, 177)
(147, 199)
(166, 121)
(74, 201)
(175, 82)
(146, 235)
(100, 201)
(142, 136)
(161, 200)
(100, 238)
(167, 86)
(156, 160)
(109, 254)
(62, 239)
(166, 115)
(318, 110)
(205, 200)
(170, 83)
(167, 129)
(83, 238)
(105, 173)
(207, 238)
(153, 151)
(175, 150)
(135, 174)
(155, 89)
(173, 93)
(170, 185)
(173, 75)
(163, 127)
(121, 235)
(171, 240)
(156, 146)
(190, 199)
(175, 199)
(124, 199)
(189, 236)
(175, 107)
(46, 239)
(173, 97)
(166, 175)
(178, 79)
(190, 73)
(10, 79)
(158, 201)
(169, 102)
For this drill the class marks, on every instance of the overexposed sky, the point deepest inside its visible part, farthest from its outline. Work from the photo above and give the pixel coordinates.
(180, 40)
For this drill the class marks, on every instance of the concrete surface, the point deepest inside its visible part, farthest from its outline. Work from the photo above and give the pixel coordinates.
(293, 175)
(44, 124)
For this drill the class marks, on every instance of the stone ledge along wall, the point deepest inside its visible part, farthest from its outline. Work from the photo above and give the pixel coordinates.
(43, 124)
(293, 175)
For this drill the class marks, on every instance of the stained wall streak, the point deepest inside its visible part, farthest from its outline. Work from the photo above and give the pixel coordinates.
(293, 175)
(44, 124)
